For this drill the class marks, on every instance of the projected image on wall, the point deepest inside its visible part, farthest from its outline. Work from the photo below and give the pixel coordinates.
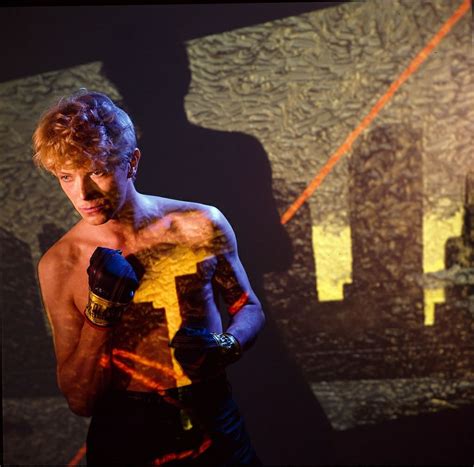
(359, 117)
(378, 290)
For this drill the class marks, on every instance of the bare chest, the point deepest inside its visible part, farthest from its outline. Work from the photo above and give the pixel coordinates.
(167, 269)
(175, 290)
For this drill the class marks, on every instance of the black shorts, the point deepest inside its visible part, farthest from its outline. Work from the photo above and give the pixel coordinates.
(195, 425)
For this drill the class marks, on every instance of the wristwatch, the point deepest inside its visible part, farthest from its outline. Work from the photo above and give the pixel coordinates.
(229, 346)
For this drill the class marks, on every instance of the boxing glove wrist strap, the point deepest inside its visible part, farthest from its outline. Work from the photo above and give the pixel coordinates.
(103, 313)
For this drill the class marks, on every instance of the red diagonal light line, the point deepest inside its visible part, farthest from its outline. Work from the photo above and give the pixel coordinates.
(191, 453)
(146, 381)
(367, 120)
(143, 361)
(78, 456)
(239, 304)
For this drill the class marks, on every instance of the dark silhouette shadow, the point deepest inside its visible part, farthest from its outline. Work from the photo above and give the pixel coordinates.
(28, 363)
(386, 215)
(232, 172)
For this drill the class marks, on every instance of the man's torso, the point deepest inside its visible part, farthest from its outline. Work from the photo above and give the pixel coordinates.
(177, 251)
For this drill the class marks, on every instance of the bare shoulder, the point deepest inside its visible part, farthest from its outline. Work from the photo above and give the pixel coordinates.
(201, 223)
(212, 223)
(60, 259)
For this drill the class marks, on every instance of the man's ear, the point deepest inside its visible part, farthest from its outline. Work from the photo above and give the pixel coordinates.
(134, 160)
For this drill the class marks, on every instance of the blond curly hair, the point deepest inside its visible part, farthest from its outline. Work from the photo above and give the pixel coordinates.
(84, 128)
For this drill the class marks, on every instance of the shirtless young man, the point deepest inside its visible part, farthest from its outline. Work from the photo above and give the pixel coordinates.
(138, 336)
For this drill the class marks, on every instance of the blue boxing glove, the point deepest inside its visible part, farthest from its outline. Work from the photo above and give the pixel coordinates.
(202, 353)
(112, 285)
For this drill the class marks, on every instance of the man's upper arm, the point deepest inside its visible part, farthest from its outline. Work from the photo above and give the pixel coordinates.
(230, 276)
(65, 321)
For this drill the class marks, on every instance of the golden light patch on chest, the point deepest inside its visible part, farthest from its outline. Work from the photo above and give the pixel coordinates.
(140, 341)
(163, 265)
(192, 228)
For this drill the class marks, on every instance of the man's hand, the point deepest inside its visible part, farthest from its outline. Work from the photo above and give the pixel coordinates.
(112, 284)
(202, 353)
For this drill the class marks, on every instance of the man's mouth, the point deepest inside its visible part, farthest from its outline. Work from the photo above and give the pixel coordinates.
(92, 209)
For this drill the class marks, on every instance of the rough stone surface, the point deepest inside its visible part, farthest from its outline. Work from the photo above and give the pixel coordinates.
(39, 428)
(347, 404)
(301, 85)
(41, 431)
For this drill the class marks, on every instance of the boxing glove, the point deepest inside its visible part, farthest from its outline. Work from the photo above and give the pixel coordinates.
(202, 353)
(112, 284)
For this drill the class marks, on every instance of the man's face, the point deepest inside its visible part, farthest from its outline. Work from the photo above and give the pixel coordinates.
(97, 193)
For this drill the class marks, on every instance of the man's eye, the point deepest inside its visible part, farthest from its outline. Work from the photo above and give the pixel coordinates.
(98, 173)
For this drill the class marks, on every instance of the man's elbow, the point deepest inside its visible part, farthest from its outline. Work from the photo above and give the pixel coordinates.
(79, 409)
(257, 318)
(262, 317)
(78, 405)
(76, 402)
(258, 311)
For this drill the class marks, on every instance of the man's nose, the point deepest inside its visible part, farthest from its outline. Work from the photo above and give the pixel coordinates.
(87, 188)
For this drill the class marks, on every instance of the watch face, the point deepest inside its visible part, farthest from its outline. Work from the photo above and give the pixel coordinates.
(226, 341)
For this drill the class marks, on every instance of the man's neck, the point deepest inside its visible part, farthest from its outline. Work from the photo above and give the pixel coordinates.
(136, 213)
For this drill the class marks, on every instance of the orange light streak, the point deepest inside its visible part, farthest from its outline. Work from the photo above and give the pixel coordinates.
(184, 454)
(78, 456)
(239, 304)
(144, 361)
(145, 380)
(104, 361)
(367, 120)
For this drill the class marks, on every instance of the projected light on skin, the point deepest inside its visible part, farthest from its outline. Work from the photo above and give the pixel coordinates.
(191, 454)
(158, 287)
(174, 291)
(183, 268)
(143, 361)
(239, 304)
(162, 285)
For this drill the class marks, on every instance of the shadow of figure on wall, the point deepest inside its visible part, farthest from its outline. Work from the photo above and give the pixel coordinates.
(29, 365)
(144, 57)
(231, 171)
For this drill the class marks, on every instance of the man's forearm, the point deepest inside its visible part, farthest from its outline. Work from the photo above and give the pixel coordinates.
(82, 378)
(246, 324)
